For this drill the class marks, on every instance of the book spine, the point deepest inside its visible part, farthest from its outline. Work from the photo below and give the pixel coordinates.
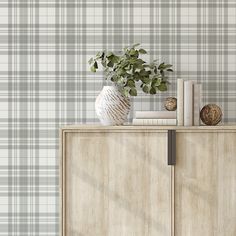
(137, 122)
(155, 115)
(180, 102)
(154, 122)
(188, 103)
(197, 103)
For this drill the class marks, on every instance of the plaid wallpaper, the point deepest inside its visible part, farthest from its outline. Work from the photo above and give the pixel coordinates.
(45, 81)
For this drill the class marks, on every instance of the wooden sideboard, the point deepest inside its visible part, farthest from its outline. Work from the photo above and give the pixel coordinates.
(119, 181)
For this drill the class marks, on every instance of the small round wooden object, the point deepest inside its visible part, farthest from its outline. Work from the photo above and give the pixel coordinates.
(170, 104)
(211, 114)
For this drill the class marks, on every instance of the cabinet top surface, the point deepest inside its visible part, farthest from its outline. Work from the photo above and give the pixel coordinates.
(147, 128)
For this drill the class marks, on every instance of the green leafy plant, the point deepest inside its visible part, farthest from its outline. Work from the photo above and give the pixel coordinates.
(127, 70)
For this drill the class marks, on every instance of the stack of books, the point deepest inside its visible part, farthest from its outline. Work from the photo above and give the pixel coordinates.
(189, 95)
(188, 102)
(155, 118)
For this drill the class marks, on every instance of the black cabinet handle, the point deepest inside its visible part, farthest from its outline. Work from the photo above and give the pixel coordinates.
(171, 147)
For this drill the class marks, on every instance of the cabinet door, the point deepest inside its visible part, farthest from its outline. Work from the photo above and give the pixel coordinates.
(116, 184)
(205, 184)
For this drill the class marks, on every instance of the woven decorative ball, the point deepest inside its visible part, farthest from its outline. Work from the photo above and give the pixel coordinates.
(211, 114)
(170, 104)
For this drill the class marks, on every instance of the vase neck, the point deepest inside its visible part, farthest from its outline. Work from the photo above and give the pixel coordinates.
(106, 87)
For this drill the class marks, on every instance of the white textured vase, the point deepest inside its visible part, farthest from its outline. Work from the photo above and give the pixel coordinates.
(111, 106)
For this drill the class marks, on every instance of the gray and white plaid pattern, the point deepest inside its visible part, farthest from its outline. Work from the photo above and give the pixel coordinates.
(45, 81)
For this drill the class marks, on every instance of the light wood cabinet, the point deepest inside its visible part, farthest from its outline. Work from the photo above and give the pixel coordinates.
(116, 181)
(205, 184)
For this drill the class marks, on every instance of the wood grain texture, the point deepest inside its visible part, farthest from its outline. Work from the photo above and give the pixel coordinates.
(155, 128)
(205, 184)
(115, 184)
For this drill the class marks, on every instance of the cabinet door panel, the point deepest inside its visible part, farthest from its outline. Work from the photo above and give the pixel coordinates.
(116, 184)
(205, 184)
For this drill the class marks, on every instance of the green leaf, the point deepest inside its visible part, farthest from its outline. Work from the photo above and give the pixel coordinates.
(131, 83)
(133, 60)
(110, 64)
(164, 66)
(140, 61)
(137, 68)
(114, 59)
(103, 62)
(133, 92)
(162, 87)
(93, 69)
(152, 65)
(161, 66)
(119, 80)
(95, 65)
(157, 82)
(135, 45)
(145, 89)
(170, 70)
(132, 52)
(146, 80)
(125, 91)
(142, 51)
(136, 76)
(153, 90)
(99, 54)
(154, 80)
(167, 66)
(144, 73)
(120, 72)
(90, 60)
